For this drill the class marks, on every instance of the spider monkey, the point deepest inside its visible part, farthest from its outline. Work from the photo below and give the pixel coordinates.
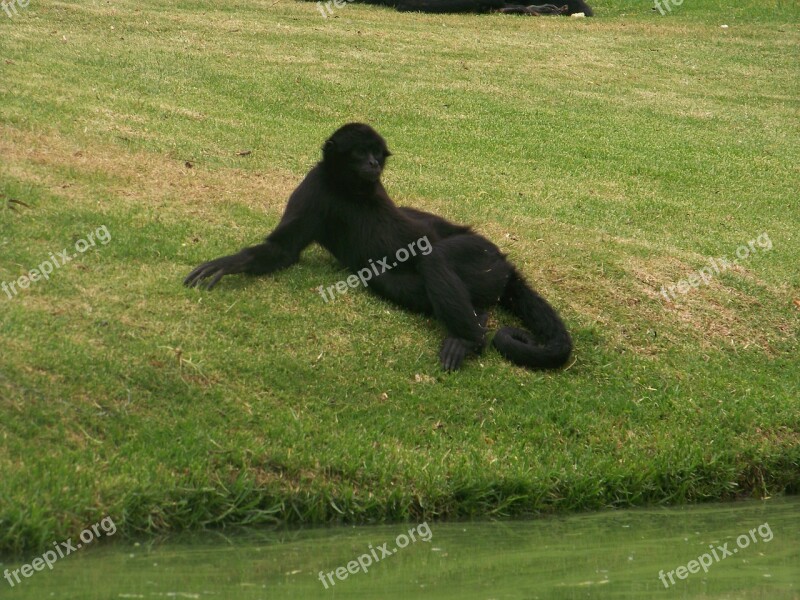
(563, 7)
(342, 205)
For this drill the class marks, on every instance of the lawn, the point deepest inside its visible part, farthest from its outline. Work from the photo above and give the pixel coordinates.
(611, 158)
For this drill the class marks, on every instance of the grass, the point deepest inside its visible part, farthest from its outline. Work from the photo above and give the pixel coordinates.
(608, 157)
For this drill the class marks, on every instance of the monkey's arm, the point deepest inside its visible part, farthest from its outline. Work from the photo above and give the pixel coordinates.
(299, 226)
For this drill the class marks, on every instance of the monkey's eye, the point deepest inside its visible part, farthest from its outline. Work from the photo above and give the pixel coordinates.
(367, 153)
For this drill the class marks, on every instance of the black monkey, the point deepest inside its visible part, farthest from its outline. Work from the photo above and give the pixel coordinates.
(533, 10)
(342, 205)
(565, 7)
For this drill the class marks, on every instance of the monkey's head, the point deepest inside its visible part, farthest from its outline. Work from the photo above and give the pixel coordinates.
(355, 155)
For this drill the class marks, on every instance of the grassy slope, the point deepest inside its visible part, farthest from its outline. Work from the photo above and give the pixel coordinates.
(607, 156)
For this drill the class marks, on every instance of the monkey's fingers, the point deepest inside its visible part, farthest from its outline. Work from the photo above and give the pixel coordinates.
(215, 279)
(453, 353)
(196, 277)
(193, 277)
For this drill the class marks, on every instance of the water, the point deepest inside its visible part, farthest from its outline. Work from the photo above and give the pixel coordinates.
(606, 555)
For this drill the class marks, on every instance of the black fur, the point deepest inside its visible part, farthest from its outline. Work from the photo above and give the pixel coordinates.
(342, 205)
(484, 6)
(566, 7)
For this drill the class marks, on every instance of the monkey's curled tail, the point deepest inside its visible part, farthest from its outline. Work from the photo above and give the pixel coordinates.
(548, 345)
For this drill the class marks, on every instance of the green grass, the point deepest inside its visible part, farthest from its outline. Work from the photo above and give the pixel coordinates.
(608, 157)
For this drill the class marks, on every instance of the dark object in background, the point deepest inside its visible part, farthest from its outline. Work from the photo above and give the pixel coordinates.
(484, 6)
(533, 10)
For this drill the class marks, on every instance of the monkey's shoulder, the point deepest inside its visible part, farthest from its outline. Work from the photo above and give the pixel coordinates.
(441, 226)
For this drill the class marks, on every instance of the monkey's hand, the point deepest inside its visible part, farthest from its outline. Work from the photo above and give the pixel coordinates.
(209, 273)
(455, 350)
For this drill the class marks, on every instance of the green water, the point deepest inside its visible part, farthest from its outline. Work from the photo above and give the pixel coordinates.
(606, 555)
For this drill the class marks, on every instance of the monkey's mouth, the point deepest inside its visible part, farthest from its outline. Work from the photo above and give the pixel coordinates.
(371, 175)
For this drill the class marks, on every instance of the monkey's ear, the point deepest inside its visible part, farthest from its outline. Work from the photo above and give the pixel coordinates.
(328, 146)
(387, 154)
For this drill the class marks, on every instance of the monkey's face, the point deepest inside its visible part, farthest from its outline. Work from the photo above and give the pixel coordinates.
(355, 153)
(367, 163)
